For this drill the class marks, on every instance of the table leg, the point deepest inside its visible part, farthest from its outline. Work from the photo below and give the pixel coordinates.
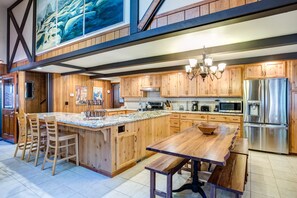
(195, 186)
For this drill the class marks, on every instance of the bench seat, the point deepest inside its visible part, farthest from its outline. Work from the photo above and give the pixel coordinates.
(165, 165)
(230, 177)
(241, 146)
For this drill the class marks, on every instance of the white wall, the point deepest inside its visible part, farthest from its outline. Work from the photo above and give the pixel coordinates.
(166, 7)
(3, 32)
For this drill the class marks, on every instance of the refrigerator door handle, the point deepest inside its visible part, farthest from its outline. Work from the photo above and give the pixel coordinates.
(275, 126)
(253, 125)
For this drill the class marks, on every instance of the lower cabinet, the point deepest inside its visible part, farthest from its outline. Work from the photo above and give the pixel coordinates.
(126, 149)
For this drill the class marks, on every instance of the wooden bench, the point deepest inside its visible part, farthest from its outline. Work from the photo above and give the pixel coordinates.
(165, 165)
(241, 146)
(231, 177)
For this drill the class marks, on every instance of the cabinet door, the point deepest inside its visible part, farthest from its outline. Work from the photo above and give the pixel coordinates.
(126, 149)
(254, 71)
(173, 84)
(125, 87)
(274, 69)
(151, 81)
(202, 86)
(185, 124)
(165, 85)
(135, 87)
(236, 82)
(186, 86)
(292, 65)
(293, 124)
(224, 84)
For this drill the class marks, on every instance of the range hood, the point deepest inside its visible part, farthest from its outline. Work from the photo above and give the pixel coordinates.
(150, 89)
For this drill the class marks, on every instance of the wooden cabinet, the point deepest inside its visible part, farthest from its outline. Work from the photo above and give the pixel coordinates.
(188, 120)
(126, 149)
(293, 123)
(231, 83)
(276, 69)
(151, 81)
(292, 73)
(174, 123)
(228, 119)
(130, 87)
(169, 85)
(207, 87)
(185, 124)
(186, 87)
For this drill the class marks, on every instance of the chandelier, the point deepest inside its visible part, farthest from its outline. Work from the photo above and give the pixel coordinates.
(204, 69)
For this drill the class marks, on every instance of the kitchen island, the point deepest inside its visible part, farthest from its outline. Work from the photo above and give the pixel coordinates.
(115, 143)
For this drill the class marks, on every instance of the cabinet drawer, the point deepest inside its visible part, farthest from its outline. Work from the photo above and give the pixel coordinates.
(121, 112)
(193, 116)
(174, 130)
(217, 118)
(174, 115)
(113, 113)
(174, 122)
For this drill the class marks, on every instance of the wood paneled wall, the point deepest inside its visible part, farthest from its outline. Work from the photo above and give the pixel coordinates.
(188, 12)
(63, 86)
(39, 102)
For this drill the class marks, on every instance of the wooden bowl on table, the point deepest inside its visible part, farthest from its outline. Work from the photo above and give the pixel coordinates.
(207, 129)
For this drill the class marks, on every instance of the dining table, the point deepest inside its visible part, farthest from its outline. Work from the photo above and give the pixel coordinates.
(193, 144)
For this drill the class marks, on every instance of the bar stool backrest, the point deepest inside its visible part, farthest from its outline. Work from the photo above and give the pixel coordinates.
(22, 123)
(51, 128)
(34, 125)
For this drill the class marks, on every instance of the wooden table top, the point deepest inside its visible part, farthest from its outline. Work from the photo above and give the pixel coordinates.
(193, 144)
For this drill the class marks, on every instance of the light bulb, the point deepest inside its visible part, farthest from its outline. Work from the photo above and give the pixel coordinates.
(221, 67)
(188, 68)
(213, 69)
(193, 62)
(208, 62)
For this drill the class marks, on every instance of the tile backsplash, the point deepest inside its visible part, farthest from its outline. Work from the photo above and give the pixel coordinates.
(177, 103)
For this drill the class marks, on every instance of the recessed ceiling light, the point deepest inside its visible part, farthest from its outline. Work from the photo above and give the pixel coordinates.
(39, 68)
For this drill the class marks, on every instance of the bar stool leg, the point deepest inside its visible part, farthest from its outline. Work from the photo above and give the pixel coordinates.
(24, 150)
(30, 151)
(16, 150)
(76, 150)
(45, 156)
(55, 159)
(37, 153)
(169, 186)
(66, 150)
(213, 191)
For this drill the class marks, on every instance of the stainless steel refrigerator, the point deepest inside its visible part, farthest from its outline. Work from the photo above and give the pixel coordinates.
(266, 114)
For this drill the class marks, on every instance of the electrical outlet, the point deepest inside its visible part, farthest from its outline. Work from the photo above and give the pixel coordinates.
(66, 103)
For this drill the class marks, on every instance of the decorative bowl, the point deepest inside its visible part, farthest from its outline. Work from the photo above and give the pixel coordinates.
(207, 129)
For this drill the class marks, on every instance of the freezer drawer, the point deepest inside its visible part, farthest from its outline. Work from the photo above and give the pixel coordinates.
(270, 138)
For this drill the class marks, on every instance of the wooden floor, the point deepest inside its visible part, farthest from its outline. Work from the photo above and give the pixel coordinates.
(270, 176)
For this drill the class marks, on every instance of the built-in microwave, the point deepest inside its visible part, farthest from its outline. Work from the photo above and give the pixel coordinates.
(230, 107)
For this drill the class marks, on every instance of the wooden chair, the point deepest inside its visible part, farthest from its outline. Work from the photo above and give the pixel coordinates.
(165, 165)
(38, 138)
(24, 139)
(54, 142)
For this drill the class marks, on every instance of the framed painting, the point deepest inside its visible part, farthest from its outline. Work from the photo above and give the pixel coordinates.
(81, 95)
(97, 93)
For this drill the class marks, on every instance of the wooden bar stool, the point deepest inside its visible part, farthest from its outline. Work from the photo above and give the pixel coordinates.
(55, 141)
(24, 139)
(38, 138)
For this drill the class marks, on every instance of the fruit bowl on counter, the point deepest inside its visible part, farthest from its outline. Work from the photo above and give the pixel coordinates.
(207, 129)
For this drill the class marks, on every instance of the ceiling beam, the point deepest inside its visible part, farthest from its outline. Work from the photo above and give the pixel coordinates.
(71, 66)
(248, 12)
(237, 47)
(241, 61)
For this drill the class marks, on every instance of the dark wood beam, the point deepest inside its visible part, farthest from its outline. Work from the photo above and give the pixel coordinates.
(15, 4)
(34, 30)
(277, 57)
(134, 16)
(237, 47)
(248, 12)
(9, 65)
(71, 66)
(150, 14)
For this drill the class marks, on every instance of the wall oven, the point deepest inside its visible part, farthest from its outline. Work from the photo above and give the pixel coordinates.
(230, 107)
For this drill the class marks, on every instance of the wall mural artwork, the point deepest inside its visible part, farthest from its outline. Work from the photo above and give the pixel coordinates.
(102, 13)
(59, 21)
(46, 28)
(81, 95)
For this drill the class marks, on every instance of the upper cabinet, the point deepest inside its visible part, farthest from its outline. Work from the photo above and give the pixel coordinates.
(170, 85)
(130, 87)
(207, 87)
(230, 84)
(186, 87)
(275, 69)
(151, 81)
(292, 71)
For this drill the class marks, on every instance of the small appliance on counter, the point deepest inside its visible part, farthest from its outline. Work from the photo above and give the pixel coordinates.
(230, 106)
(217, 108)
(205, 108)
(194, 105)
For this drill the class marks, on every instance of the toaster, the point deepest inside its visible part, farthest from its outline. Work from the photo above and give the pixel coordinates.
(204, 108)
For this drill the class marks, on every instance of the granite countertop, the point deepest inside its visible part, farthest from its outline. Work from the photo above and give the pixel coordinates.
(120, 109)
(204, 112)
(80, 120)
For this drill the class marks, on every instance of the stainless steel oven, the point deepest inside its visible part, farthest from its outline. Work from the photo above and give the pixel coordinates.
(230, 107)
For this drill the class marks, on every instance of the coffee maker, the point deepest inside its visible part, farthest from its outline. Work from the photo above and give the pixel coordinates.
(194, 105)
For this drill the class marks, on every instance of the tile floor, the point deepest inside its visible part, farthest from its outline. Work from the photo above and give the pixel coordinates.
(269, 176)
